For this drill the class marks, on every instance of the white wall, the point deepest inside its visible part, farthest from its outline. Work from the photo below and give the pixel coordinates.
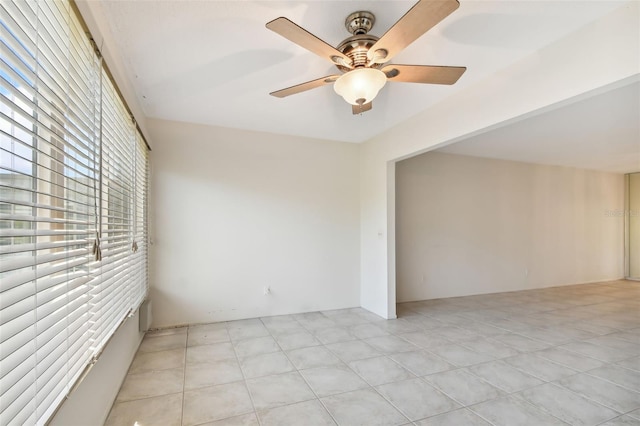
(561, 72)
(90, 403)
(468, 225)
(236, 211)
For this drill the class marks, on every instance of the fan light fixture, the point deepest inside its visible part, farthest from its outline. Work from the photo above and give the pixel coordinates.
(360, 86)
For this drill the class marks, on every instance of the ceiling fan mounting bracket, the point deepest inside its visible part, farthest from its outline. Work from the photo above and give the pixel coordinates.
(360, 22)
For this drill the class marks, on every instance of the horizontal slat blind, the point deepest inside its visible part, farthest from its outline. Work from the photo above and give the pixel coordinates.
(140, 230)
(73, 175)
(18, 182)
(117, 202)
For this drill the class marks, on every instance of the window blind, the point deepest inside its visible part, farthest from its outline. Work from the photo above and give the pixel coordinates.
(73, 185)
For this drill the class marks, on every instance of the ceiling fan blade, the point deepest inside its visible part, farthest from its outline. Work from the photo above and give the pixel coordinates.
(423, 16)
(304, 38)
(359, 109)
(303, 87)
(426, 74)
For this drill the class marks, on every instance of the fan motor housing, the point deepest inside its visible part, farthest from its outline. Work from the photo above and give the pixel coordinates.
(356, 48)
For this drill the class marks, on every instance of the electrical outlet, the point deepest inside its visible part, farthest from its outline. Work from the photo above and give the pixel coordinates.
(267, 290)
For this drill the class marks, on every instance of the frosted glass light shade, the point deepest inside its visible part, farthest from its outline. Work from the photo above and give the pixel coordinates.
(360, 86)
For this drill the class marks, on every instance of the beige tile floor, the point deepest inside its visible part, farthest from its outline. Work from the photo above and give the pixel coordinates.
(557, 356)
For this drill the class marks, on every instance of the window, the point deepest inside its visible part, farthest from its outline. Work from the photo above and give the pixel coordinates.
(73, 197)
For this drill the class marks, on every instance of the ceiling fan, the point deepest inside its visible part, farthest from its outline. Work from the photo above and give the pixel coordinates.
(362, 57)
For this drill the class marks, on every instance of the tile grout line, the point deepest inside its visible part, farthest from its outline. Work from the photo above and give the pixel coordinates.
(298, 371)
(536, 408)
(591, 399)
(398, 408)
(244, 378)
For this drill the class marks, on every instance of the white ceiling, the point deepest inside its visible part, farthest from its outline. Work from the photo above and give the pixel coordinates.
(214, 62)
(601, 132)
